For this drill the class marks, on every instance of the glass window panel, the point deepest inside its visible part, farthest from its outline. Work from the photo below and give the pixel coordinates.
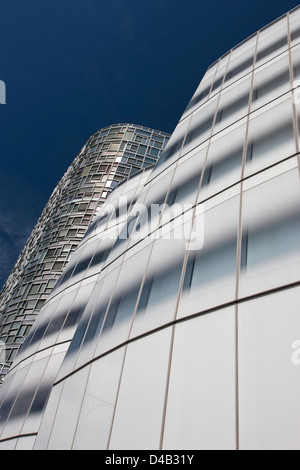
(219, 77)
(98, 306)
(40, 326)
(200, 127)
(40, 400)
(58, 319)
(9, 393)
(271, 137)
(200, 96)
(87, 253)
(210, 275)
(295, 27)
(75, 313)
(201, 398)
(7, 389)
(271, 81)
(241, 61)
(186, 180)
(149, 212)
(271, 223)
(272, 41)
(25, 443)
(122, 307)
(297, 101)
(233, 105)
(34, 289)
(211, 71)
(67, 415)
(96, 416)
(8, 445)
(296, 64)
(67, 272)
(158, 297)
(173, 147)
(269, 382)
(142, 393)
(24, 398)
(76, 343)
(224, 162)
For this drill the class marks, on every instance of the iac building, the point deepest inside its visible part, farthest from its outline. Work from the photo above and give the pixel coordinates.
(179, 346)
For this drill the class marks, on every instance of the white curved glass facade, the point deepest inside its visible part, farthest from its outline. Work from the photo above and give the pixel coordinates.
(187, 285)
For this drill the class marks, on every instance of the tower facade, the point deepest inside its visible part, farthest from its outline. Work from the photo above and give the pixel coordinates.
(108, 158)
(186, 287)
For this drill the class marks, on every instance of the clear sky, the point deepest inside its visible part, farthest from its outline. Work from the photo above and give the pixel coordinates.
(74, 66)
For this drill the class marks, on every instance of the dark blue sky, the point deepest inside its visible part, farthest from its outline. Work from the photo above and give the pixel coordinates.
(74, 66)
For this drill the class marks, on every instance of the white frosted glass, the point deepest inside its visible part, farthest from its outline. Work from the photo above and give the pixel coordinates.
(159, 293)
(296, 67)
(184, 187)
(296, 98)
(48, 418)
(241, 62)
(210, 73)
(201, 95)
(87, 252)
(81, 299)
(138, 419)
(38, 329)
(8, 445)
(58, 318)
(75, 345)
(96, 416)
(271, 81)
(25, 443)
(219, 77)
(148, 213)
(294, 27)
(34, 417)
(210, 276)
(68, 411)
(201, 400)
(172, 150)
(272, 41)
(63, 281)
(201, 126)
(269, 381)
(5, 387)
(122, 236)
(243, 50)
(271, 137)
(24, 399)
(99, 308)
(271, 223)
(233, 104)
(119, 317)
(10, 395)
(224, 162)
